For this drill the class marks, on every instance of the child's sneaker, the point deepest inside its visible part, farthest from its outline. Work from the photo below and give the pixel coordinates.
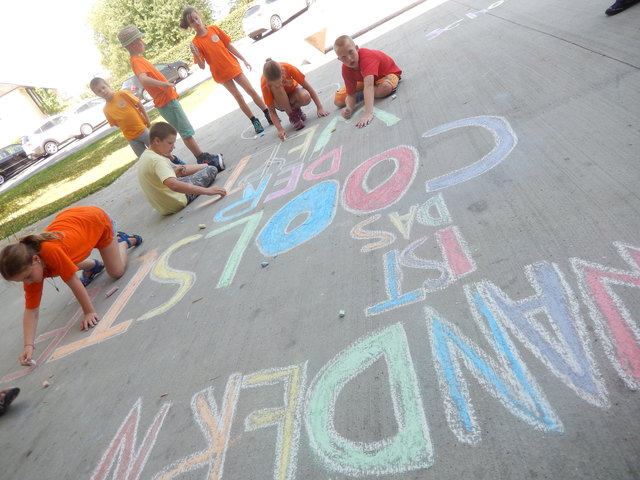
(301, 114)
(296, 121)
(267, 116)
(214, 160)
(257, 126)
(176, 161)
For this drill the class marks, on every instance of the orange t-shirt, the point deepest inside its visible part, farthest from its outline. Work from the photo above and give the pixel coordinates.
(84, 228)
(161, 95)
(121, 111)
(291, 78)
(214, 49)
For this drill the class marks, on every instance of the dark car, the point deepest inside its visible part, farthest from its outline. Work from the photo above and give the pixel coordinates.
(173, 72)
(13, 159)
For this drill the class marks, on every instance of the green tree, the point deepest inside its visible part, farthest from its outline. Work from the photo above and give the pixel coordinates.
(159, 20)
(49, 101)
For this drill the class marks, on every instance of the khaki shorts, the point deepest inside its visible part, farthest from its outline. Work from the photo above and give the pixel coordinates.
(392, 79)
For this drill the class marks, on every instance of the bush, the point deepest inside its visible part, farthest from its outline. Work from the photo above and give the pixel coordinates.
(232, 23)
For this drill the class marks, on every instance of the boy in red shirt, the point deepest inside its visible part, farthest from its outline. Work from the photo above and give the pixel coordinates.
(371, 71)
(164, 95)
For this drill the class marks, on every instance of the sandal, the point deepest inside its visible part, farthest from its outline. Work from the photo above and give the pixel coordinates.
(88, 275)
(125, 237)
(6, 397)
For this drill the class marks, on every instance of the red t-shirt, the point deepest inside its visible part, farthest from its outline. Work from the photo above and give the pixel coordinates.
(214, 49)
(84, 228)
(291, 78)
(370, 62)
(161, 95)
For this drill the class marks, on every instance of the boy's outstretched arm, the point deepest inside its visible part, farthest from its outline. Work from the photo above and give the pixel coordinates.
(183, 187)
(369, 95)
(238, 55)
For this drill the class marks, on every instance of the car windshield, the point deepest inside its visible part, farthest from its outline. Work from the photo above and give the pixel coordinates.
(251, 11)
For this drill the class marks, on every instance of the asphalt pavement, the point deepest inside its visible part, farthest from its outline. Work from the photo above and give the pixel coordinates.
(450, 292)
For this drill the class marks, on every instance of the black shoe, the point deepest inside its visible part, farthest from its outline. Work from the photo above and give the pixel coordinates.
(7, 396)
(176, 161)
(267, 116)
(215, 160)
(620, 6)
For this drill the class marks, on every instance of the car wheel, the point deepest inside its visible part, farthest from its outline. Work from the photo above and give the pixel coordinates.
(145, 96)
(183, 72)
(86, 129)
(51, 148)
(1, 179)
(276, 22)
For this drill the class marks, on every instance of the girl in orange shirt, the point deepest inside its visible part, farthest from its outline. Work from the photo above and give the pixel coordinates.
(59, 251)
(285, 87)
(213, 46)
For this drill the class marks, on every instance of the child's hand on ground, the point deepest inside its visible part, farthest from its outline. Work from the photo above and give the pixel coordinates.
(89, 320)
(322, 112)
(25, 357)
(282, 135)
(346, 113)
(217, 191)
(366, 119)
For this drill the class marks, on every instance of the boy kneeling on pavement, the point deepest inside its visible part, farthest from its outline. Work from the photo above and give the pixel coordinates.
(169, 188)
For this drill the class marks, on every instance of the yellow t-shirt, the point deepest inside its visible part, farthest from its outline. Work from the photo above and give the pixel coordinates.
(120, 111)
(153, 169)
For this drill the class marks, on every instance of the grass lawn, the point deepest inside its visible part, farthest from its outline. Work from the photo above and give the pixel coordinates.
(77, 176)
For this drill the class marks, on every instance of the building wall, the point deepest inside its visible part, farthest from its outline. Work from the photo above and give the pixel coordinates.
(18, 116)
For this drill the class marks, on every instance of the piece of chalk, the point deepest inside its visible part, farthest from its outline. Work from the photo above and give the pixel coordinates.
(202, 226)
(32, 362)
(111, 292)
(341, 313)
(264, 264)
(393, 96)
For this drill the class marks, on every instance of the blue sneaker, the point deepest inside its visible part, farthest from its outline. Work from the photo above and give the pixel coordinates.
(176, 161)
(257, 126)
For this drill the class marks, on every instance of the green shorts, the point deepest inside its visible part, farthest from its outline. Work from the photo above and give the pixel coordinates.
(173, 113)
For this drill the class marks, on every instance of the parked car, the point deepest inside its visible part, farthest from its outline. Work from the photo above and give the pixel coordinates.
(270, 15)
(173, 72)
(13, 159)
(88, 115)
(50, 136)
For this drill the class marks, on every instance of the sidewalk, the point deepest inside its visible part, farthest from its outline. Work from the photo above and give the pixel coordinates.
(450, 292)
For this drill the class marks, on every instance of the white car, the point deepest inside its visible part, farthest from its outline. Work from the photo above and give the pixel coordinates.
(52, 134)
(267, 15)
(88, 115)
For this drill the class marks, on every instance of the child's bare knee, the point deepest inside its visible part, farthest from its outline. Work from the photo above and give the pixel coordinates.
(116, 273)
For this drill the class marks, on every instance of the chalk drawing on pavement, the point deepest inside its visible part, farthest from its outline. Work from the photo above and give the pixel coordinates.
(616, 326)
(506, 377)
(410, 448)
(216, 428)
(286, 418)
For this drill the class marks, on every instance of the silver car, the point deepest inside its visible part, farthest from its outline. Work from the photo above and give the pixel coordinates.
(50, 136)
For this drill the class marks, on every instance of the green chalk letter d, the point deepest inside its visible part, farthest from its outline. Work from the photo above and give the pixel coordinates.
(409, 449)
